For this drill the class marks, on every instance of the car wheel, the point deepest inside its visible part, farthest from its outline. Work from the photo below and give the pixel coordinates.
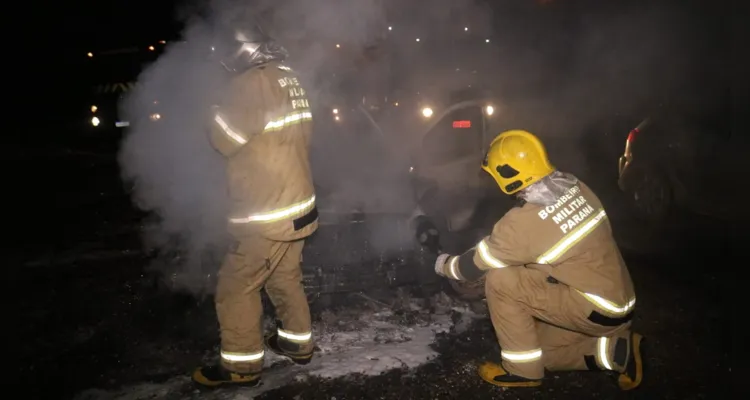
(650, 196)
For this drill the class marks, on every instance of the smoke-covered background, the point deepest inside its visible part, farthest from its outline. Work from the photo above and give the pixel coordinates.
(561, 70)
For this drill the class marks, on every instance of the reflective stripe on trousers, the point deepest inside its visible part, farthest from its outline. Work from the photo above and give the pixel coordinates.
(295, 337)
(522, 356)
(237, 357)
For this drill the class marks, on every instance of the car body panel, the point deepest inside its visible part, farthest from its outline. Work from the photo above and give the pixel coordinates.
(692, 159)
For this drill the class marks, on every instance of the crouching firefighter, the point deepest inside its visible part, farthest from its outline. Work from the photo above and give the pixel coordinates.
(559, 293)
(262, 126)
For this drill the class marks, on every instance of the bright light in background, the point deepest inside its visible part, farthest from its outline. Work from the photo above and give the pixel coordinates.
(390, 28)
(335, 110)
(395, 104)
(162, 42)
(94, 108)
(155, 117)
(90, 54)
(466, 28)
(95, 121)
(427, 112)
(486, 40)
(151, 48)
(338, 46)
(417, 39)
(490, 110)
(337, 118)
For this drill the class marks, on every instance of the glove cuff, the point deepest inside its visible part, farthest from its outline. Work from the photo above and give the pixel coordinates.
(440, 263)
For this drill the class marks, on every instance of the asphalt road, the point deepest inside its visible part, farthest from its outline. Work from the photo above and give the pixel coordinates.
(91, 317)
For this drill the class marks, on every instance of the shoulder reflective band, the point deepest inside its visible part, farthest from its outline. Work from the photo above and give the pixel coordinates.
(522, 356)
(231, 133)
(231, 356)
(572, 238)
(607, 305)
(284, 68)
(289, 119)
(276, 215)
(487, 257)
(294, 337)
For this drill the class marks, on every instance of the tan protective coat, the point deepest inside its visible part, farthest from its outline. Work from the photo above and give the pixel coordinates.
(267, 108)
(590, 262)
(557, 287)
(263, 127)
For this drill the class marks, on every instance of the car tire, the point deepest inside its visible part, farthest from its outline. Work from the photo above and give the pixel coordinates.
(649, 195)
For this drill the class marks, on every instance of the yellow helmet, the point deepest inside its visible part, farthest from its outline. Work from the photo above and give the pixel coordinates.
(516, 159)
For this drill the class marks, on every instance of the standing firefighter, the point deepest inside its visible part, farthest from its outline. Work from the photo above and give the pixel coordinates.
(559, 293)
(262, 126)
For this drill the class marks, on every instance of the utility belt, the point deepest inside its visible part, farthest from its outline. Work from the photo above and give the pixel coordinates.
(605, 320)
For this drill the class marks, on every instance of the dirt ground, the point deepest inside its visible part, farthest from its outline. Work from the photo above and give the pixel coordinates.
(93, 324)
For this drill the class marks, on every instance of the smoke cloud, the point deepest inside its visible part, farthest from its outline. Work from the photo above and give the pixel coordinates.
(559, 69)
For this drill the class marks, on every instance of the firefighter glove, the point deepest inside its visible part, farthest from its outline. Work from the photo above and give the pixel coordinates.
(440, 264)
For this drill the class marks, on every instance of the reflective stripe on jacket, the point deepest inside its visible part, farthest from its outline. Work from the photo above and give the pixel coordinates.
(262, 126)
(570, 240)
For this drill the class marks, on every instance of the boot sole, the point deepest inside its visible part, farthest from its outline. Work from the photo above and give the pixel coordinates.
(224, 384)
(512, 384)
(298, 361)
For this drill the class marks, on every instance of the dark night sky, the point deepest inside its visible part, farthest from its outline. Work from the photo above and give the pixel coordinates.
(88, 24)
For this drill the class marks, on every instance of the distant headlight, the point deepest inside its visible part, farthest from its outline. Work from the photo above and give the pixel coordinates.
(489, 110)
(94, 108)
(427, 112)
(95, 121)
(336, 117)
(335, 111)
(155, 117)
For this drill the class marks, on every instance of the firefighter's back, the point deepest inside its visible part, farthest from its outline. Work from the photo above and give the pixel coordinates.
(272, 172)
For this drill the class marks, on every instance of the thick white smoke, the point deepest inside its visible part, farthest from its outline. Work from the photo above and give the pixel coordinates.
(560, 70)
(174, 172)
(169, 163)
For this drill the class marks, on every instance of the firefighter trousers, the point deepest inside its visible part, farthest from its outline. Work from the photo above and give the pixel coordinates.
(254, 263)
(541, 323)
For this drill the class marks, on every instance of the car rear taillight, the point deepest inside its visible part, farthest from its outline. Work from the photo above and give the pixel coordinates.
(627, 155)
(633, 134)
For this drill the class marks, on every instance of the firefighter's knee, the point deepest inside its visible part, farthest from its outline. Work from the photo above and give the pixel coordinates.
(501, 282)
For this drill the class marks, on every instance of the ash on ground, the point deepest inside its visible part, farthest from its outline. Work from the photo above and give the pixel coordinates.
(368, 339)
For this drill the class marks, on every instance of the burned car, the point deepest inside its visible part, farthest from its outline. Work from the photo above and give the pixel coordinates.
(668, 162)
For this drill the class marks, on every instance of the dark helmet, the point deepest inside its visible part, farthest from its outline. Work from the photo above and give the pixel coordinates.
(239, 48)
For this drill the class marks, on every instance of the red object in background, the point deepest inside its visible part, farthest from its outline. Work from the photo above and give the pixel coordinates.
(632, 135)
(462, 124)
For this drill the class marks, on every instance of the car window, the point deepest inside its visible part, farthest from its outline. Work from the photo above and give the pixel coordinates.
(457, 135)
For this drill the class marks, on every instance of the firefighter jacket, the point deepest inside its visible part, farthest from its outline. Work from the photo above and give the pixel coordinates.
(263, 127)
(570, 240)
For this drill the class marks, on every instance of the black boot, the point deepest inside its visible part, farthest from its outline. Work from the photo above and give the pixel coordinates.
(288, 349)
(215, 375)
